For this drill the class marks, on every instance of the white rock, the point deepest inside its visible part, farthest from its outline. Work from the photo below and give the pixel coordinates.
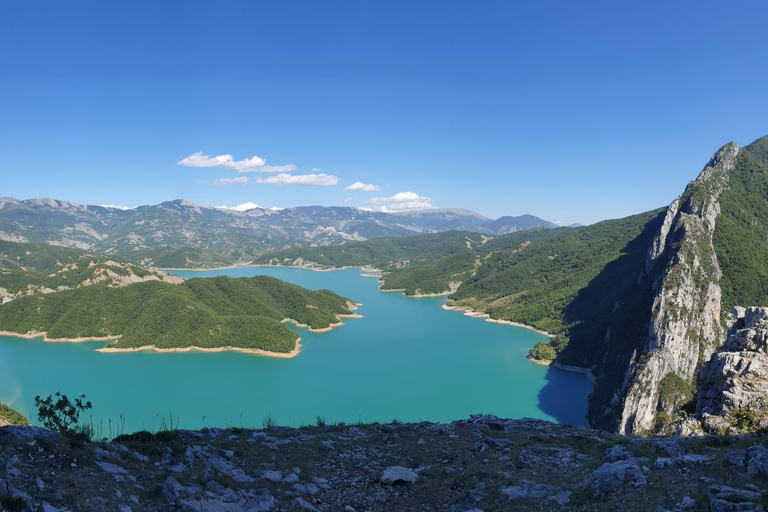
(397, 475)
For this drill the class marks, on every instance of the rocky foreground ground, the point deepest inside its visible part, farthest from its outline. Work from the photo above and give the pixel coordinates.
(485, 463)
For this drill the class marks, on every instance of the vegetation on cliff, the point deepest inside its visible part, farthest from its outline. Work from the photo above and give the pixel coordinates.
(10, 416)
(207, 313)
(741, 233)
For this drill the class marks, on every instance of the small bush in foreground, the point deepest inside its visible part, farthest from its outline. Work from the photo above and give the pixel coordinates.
(58, 413)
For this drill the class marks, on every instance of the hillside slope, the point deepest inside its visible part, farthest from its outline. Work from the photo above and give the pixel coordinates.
(215, 313)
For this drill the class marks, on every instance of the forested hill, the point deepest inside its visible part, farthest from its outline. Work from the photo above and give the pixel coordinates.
(211, 313)
(378, 252)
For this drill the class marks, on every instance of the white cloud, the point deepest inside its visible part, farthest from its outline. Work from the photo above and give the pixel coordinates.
(278, 168)
(229, 181)
(198, 159)
(359, 185)
(118, 207)
(308, 180)
(400, 202)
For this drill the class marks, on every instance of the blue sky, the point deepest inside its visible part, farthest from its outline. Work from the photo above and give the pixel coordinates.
(572, 111)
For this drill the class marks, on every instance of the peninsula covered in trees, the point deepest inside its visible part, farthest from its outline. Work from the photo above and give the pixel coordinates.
(219, 313)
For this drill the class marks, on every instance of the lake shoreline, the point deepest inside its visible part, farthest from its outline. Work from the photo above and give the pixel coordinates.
(477, 314)
(37, 334)
(147, 348)
(586, 372)
(352, 307)
(192, 348)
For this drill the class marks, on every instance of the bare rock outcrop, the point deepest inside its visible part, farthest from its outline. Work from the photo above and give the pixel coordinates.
(685, 326)
(733, 389)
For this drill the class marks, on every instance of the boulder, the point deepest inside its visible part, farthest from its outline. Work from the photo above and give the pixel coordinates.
(395, 475)
(612, 475)
(757, 460)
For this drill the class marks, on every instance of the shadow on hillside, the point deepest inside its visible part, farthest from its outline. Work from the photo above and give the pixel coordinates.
(613, 302)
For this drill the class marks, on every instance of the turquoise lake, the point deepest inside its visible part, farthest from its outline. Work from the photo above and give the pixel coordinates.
(406, 359)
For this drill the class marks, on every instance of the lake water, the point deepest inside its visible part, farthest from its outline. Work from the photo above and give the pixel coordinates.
(406, 359)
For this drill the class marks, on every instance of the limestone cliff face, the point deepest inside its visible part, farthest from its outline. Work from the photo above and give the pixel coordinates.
(685, 327)
(733, 389)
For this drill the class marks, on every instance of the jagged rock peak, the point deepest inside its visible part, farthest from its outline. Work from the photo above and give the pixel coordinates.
(723, 160)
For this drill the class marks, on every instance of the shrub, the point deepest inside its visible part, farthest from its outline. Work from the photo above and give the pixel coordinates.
(58, 413)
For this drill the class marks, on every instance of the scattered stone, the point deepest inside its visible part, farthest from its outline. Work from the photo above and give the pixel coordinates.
(671, 448)
(112, 469)
(272, 476)
(444, 471)
(612, 475)
(562, 498)
(304, 504)
(736, 457)
(695, 458)
(101, 454)
(528, 489)
(757, 460)
(663, 462)
(140, 457)
(395, 475)
(615, 453)
(727, 499)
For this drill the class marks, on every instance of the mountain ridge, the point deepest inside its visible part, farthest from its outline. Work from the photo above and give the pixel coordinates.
(227, 235)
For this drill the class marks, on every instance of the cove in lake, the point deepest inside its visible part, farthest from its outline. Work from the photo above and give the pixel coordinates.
(406, 359)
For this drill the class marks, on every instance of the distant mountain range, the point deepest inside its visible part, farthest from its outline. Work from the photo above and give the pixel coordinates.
(147, 232)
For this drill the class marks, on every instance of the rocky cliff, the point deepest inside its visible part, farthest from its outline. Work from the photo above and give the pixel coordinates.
(485, 463)
(677, 372)
(684, 327)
